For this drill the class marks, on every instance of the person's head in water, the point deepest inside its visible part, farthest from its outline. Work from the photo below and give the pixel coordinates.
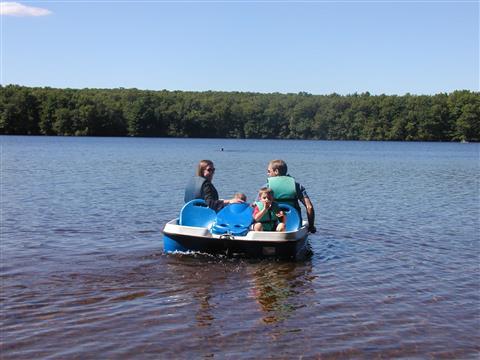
(277, 168)
(206, 169)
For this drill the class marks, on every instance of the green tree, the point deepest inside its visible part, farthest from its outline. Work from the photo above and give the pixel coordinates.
(140, 117)
(120, 112)
(20, 111)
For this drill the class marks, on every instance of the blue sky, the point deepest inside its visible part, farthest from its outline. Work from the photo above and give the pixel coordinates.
(321, 47)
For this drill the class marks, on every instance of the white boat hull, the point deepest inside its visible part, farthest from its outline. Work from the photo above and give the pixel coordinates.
(289, 244)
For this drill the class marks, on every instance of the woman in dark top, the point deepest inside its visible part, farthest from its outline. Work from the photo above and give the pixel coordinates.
(201, 187)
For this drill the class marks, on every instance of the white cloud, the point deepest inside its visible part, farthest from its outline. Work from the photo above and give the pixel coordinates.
(17, 9)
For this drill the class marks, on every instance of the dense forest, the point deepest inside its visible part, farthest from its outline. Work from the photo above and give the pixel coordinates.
(133, 112)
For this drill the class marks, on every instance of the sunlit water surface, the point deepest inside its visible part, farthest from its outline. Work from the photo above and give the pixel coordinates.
(394, 270)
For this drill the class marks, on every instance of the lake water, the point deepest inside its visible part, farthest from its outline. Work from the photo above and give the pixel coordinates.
(394, 270)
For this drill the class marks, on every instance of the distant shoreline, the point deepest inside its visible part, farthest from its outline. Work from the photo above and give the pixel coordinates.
(218, 138)
(235, 115)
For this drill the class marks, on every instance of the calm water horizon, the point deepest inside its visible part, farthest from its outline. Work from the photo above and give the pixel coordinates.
(394, 271)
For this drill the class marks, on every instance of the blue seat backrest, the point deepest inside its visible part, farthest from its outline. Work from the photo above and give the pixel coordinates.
(294, 221)
(197, 213)
(234, 219)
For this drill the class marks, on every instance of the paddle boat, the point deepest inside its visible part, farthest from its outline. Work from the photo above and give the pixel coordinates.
(228, 232)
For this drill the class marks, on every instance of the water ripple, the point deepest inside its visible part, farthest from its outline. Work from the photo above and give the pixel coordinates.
(393, 274)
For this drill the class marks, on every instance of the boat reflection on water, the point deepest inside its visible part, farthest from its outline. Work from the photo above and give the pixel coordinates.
(279, 289)
(203, 316)
(254, 291)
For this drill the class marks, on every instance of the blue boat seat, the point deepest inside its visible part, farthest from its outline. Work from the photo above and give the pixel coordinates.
(294, 221)
(197, 213)
(234, 219)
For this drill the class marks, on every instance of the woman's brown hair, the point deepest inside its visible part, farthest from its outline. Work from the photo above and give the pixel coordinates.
(202, 165)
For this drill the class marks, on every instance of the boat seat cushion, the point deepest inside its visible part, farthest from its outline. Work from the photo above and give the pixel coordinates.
(234, 219)
(197, 213)
(294, 221)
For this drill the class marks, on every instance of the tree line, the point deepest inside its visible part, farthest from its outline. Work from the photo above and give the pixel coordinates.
(132, 112)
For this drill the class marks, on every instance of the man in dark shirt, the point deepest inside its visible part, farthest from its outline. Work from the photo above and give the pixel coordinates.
(278, 168)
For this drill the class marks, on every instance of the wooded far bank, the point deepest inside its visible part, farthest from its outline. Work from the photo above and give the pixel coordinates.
(132, 112)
